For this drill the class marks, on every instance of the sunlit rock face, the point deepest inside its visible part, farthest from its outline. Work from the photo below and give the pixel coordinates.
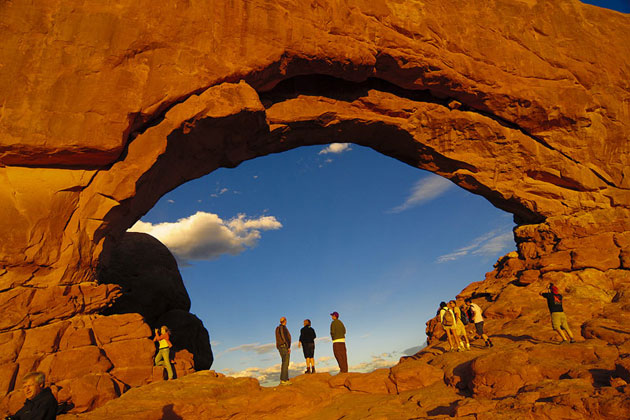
(104, 108)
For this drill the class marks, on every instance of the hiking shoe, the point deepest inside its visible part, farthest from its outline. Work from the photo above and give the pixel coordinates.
(572, 341)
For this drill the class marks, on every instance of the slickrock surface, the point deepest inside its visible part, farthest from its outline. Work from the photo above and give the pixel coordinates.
(105, 107)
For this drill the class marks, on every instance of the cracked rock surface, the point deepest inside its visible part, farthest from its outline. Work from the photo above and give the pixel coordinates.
(104, 108)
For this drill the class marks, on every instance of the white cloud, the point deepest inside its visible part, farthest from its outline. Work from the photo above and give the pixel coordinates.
(219, 192)
(254, 347)
(271, 375)
(384, 360)
(489, 244)
(496, 245)
(424, 190)
(336, 148)
(205, 236)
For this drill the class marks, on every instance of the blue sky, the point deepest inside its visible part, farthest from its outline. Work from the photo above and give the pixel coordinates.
(321, 229)
(619, 5)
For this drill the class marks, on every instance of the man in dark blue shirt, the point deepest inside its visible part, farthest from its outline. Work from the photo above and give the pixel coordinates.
(558, 318)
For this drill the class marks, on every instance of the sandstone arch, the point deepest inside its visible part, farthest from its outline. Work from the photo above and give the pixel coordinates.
(105, 109)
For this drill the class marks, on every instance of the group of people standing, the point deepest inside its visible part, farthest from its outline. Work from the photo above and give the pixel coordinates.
(454, 320)
(307, 343)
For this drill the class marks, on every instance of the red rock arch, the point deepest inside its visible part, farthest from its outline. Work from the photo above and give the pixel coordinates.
(130, 103)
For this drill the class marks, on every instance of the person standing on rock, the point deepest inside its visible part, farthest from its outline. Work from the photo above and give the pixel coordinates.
(163, 356)
(338, 335)
(447, 319)
(307, 342)
(283, 344)
(477, 319)
(40, 403)
(558, 318)
(460, 328)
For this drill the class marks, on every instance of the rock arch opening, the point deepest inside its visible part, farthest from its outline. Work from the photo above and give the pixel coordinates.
(520, 112)
(347, 244)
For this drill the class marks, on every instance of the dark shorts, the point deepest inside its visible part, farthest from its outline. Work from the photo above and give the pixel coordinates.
(479, 327)
(309, 350)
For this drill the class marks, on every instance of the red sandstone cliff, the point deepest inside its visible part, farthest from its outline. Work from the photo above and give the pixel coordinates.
(105, 107)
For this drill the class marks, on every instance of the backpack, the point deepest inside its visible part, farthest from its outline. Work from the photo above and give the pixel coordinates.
(448, 320)
(464, 317)
(471, 314)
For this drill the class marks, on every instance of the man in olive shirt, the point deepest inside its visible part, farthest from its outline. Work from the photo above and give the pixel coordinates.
(283, 344)
(338, 335)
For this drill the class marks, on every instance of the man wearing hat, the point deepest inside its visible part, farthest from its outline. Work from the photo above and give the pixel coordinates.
(338, 335)
(558, 318)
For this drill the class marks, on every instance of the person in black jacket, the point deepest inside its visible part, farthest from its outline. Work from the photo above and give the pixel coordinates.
(40, 403)
(283, 344)
(307, 342)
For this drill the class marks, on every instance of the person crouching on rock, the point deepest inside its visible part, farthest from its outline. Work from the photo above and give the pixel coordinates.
(307, 342)
(558, 318)
(447, 319)
(40, 403)
(476, 317)
(162, 358)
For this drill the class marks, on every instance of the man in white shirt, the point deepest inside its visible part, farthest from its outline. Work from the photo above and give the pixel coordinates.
(477, 319)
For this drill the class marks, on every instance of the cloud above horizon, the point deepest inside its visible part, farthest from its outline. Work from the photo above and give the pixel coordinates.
(489, 244)
(336, 148)
(423, 191)
(205, 236)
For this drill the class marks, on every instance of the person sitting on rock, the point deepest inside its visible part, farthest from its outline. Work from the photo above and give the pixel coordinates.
(460, 328)
(447, 319)
(162, 358)
(40, 403)
(476, 317)
(558, 318)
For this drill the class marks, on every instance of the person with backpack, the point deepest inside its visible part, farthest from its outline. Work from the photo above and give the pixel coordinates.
(558, 318)
(475, 316)
(459, 325)
(447, 319)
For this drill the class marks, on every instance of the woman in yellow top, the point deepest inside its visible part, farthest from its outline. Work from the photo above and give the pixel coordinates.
(459, 326)
(164, 349)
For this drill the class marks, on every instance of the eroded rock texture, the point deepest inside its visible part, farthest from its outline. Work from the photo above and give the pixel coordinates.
(105, 107)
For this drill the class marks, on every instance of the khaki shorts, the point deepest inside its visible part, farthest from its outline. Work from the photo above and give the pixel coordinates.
(559, 320)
